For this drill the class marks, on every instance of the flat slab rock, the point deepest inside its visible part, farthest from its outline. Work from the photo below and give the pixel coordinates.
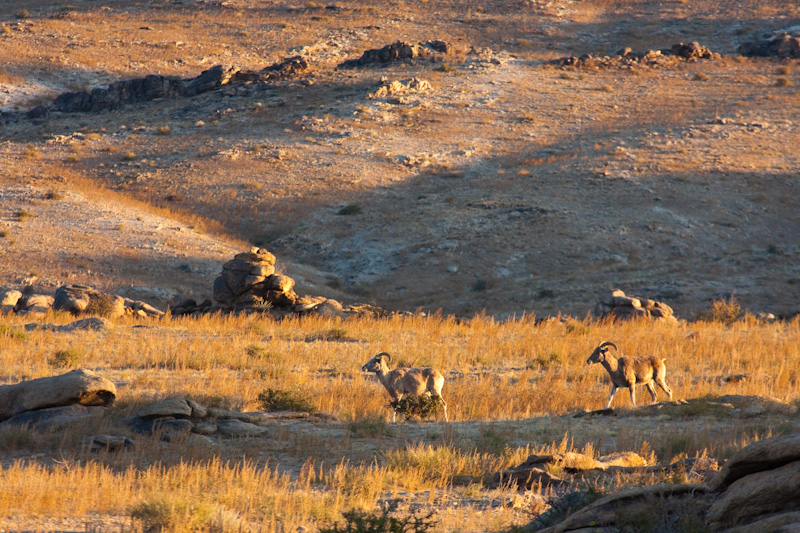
(80, 386)
(53, 417)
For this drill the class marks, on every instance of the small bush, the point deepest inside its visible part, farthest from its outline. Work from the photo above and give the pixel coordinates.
(53, 195)
(478, 286)
(352, 209)
(446, 67)
(64, 358)
(31, 152)
(783, 82)
(417, 407)
(722, 311)
(22, 14)
(163, 130)
(357, 521)
(701, 77)
(129, 156)
(10, 332)
(105, 305)
(285, 400)
(22, 215)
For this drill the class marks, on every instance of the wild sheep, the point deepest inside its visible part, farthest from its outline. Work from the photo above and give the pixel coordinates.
(631, 371)
(406, 381)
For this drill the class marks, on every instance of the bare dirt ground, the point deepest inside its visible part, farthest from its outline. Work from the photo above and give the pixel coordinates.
(510, 185)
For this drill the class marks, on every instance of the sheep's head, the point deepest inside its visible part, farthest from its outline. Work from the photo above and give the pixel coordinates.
(599, 353)
(375, 364)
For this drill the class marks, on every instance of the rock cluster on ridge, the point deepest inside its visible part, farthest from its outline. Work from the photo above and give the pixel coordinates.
(249, 280)
(616, 305)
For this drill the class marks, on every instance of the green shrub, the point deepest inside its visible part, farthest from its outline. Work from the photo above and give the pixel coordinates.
(64, 358)
(478, 286)
(285, 400)
(351, 209)
(104, 305)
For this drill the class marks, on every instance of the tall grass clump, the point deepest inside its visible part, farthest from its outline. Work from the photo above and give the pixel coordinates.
(358, 521)
(285, 400)
(722, 311)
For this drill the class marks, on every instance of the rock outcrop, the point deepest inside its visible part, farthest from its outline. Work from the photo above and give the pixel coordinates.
(75, 299)
(619, 306)
(758, 489)
(155, 86)
(175, 416)
(627, 58)
(398, 51)
(783, 45)
(249, 280)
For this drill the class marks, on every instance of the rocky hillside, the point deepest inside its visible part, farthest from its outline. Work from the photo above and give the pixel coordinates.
(518, 157)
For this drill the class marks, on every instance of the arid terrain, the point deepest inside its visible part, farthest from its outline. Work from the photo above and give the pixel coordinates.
(509, 185)
(521, 165)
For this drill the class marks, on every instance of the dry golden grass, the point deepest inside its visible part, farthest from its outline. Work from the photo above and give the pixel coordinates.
(506, 384)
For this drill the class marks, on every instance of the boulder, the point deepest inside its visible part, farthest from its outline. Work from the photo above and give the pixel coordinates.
(278, 282)
(35, 304)
(692, 51)
(784, 46)
(234, 428)
(109, 443)
(173, 407)
(9, 300)
(607, 510)
(617, 305)
(208, 80)
(53, 417)
(752, 496)
(776, 523)
(762, 455)
(326, 308)
(397, 51)
(205, 428)
(256, 256)
(79, 386)
(222, 292)
(73, 298)
(626, 459)
(198, 410)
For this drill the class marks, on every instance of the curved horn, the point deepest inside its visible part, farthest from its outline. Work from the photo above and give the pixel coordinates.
(389, 357)
(608, 344)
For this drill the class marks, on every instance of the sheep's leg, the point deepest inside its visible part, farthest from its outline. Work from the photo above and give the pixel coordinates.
(633, 393)
(396, 398)
(611, 396)
(663, 385)
(444, 405)
(652, 388)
